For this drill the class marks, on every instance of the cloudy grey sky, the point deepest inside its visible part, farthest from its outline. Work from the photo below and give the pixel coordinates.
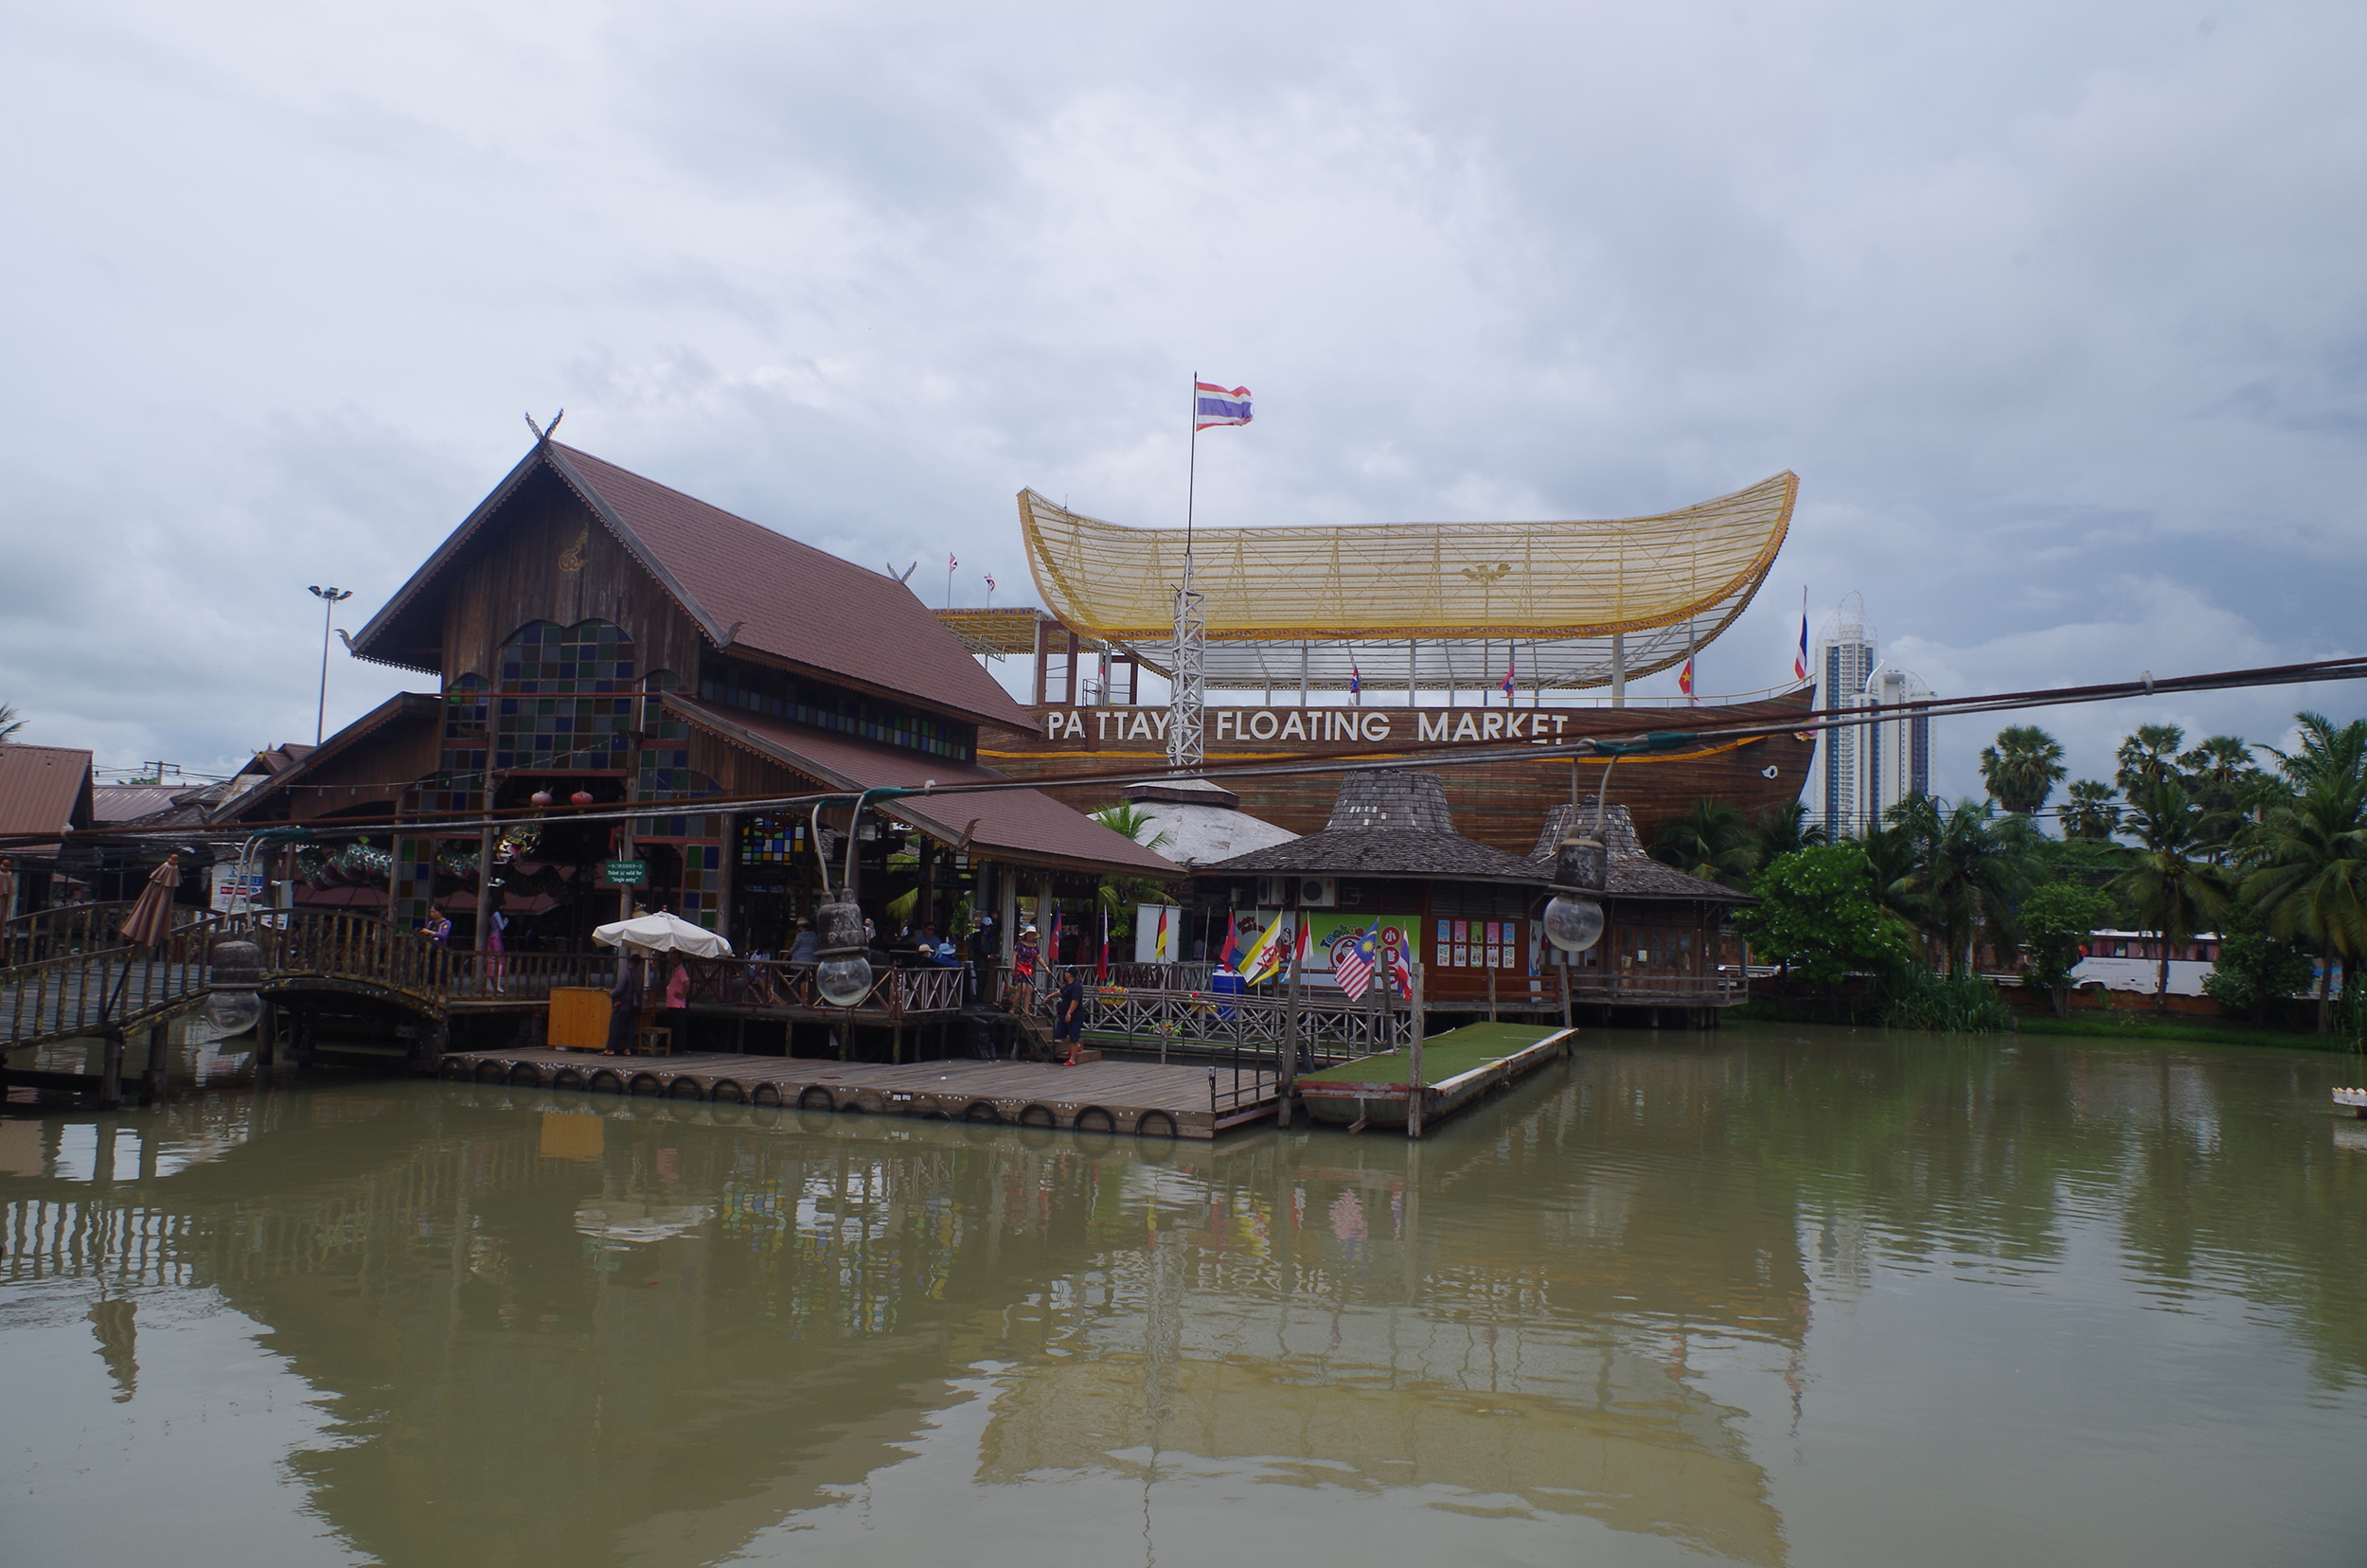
(2058, 313)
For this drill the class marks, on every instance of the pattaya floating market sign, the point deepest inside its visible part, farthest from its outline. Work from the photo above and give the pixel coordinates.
(1093, 728)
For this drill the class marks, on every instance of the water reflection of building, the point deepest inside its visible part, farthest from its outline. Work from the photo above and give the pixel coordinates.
(529, 1319)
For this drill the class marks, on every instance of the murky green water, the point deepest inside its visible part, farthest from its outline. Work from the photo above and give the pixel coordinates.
(1771, 1297)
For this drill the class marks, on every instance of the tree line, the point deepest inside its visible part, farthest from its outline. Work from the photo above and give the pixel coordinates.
(2265, 847)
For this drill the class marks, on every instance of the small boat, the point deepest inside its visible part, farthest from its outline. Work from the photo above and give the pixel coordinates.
(2353, 1100)
(1457, 1068)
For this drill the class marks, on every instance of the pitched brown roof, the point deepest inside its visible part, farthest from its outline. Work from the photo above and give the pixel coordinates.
(42, 789)
(747, 586)
(1016, 825)
(1387, 822)
(1631, 873)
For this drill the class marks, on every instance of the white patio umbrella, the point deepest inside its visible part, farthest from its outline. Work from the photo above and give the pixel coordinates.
(662, 932)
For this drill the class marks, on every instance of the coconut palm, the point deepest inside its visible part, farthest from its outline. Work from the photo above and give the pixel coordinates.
(2149, 754)
(2022, 769)
(2174, 887)
(1127, 820)
(1969, 869)
(10, 723)
(2310, 855)
(2091, 811)
(1784, 828)
(1711, 842)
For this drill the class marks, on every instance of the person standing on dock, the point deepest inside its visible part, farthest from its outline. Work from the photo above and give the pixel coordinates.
(675, 1015)
(1023, 960)
(1068, 1019)
(624, 1005)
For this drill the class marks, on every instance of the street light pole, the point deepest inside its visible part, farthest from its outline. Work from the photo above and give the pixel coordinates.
(329, 598)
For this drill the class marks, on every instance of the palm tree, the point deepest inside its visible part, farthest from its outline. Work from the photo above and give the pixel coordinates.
(1968, 870)
(2022, 769)
(2310, 857)
(2326, 753)
(2148, 756)
(2174, 887)
(2092, 811)
(1711, 842)
(10, 723)
(1784, 828)
(1127, 820)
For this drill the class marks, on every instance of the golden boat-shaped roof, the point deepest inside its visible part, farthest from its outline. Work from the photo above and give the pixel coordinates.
(1542, 581)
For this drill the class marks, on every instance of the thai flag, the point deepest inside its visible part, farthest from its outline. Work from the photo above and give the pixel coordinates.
(1213, 405)
(1356, 679)
(1800, 659)
(1352, 966)
(989, 583)
(952, 562)
(1507, 682)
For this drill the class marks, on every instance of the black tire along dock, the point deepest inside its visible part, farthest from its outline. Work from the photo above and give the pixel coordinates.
(1143, 1098)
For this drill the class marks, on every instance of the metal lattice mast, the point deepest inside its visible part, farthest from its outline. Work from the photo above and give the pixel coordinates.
(1190, 685)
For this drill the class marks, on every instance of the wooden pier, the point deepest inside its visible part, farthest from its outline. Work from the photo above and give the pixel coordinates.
(1140, 1098)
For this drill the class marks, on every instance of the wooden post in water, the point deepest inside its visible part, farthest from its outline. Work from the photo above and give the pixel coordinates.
(1565, 990)
(1414, 1060)
(1289, 1041)
(152, 1092)
(111, 1070)
(1491, 993)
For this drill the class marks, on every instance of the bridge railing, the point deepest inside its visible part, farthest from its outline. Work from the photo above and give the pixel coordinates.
(1334, 1030)
(69, 928)
(509, 977)
(770, 983)
(65, 995)
(360, 948)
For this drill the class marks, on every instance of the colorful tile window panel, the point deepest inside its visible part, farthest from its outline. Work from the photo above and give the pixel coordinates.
(567, 699)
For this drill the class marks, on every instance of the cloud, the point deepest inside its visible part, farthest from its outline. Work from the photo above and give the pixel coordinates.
(2056, 314)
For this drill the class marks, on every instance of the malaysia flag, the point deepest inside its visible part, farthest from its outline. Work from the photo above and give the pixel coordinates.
(1213, 405)
(1353, 966)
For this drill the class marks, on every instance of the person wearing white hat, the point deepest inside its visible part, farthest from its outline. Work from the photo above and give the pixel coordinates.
(1023, 960)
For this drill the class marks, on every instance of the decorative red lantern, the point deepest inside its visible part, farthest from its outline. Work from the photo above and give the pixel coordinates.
(582, 797)
(541, 797)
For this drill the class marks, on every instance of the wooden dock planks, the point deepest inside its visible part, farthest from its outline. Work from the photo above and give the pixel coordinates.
(1113, 1097)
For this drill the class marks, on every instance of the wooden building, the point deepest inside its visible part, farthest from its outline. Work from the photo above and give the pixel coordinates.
(603, 640)
(1389, 853)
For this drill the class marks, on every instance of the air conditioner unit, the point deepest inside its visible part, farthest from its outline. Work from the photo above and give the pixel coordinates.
(1319, 892)
(1274, 892)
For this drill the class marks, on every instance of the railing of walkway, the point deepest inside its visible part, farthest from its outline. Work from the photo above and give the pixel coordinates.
(65, 995)
(770, 983)
(1334, 1030)
(353, 947)
(68, 929)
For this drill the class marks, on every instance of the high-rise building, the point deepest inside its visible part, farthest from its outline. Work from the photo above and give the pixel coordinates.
(1863, 770)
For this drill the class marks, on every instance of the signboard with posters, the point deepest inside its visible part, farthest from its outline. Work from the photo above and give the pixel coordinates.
(237, 892)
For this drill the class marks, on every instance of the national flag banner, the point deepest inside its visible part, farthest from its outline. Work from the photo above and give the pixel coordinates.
(1507, 682)
(1800, 659)
(989, 583)
(1266, 954)
(1230, 956)
(1356, 679)
(952, 562)
(1101, 964)
(1685, 677)
(1160, 952)
(1213, 405)
(1400, 971)
(1352, 966)
(1052, 949)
